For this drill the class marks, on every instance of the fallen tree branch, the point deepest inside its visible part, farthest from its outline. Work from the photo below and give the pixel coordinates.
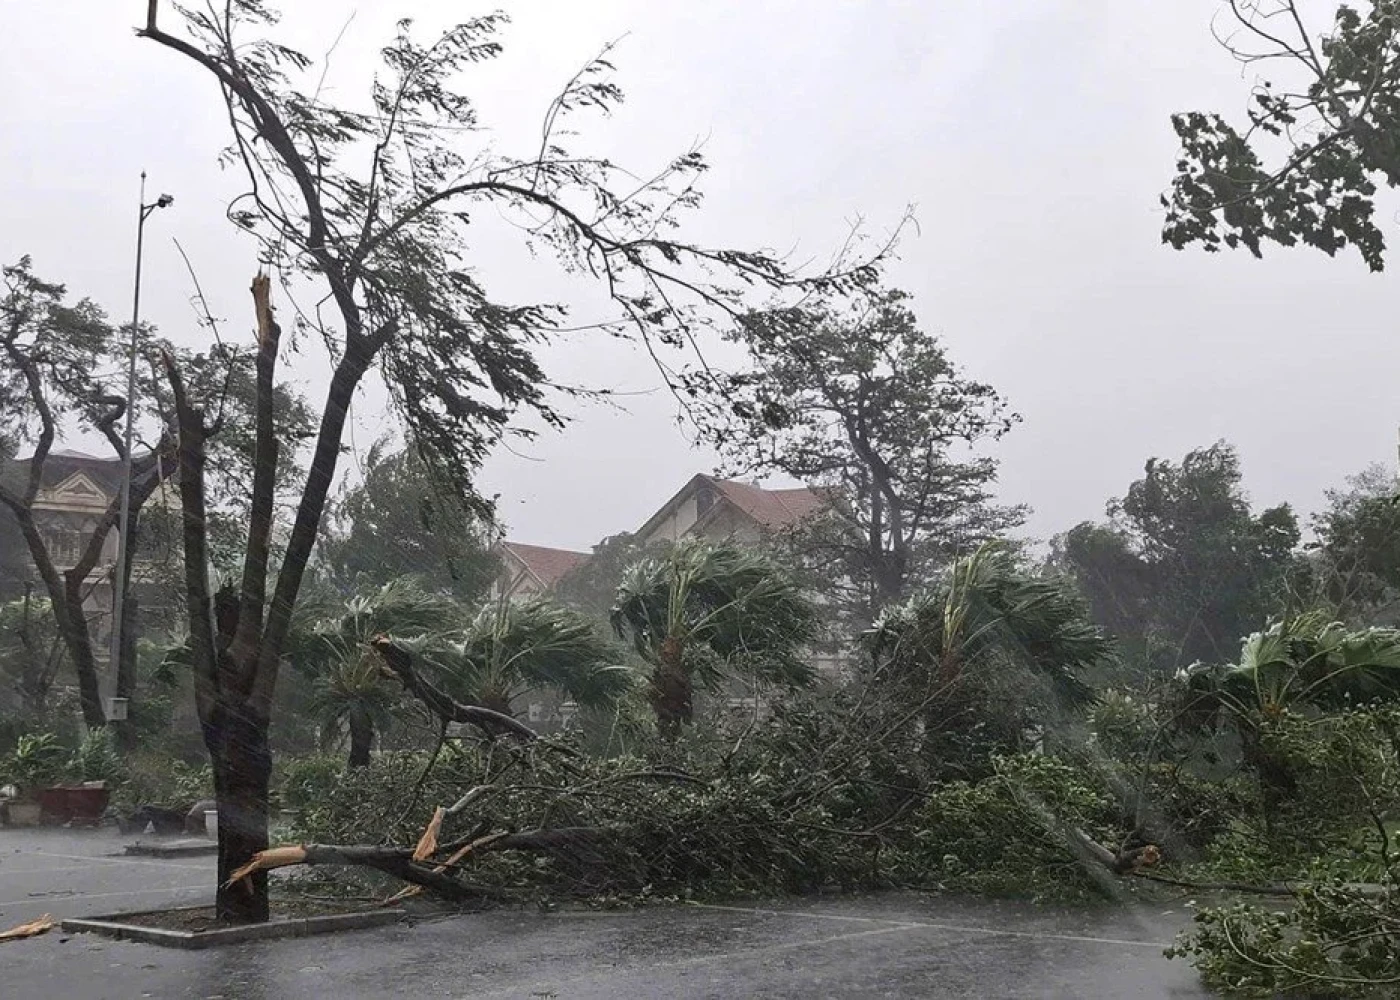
(445, 707)
(391, 860)
(1274, 889)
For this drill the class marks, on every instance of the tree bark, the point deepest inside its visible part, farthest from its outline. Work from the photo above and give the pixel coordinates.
(670, 691)
(236, 739)
(361, 737)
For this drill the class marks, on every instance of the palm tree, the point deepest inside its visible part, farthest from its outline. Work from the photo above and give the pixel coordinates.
(990, 654)
(508, 650)
(989, 611)
(330, 642)
(705, 611)
(1301, 664)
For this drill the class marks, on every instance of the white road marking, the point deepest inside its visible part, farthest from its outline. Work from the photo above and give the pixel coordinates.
(934, 925)
(552, 987)
(77, 896)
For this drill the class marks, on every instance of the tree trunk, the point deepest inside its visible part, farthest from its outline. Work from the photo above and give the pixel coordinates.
(361, 737)
(242, 760)
(670, 691)
(496, 702)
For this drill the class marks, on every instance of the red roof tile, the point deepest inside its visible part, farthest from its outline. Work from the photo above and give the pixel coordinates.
(770, 508)
(546, 564)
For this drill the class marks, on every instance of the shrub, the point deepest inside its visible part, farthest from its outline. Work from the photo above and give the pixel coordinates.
(1336, 941)
(96, 759)
(37, 761)
(1007, 834)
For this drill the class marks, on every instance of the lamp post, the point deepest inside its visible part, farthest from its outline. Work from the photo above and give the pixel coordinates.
(128, 434)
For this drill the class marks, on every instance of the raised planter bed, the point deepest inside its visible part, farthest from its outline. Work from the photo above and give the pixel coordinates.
(194, 927)
(79, 804)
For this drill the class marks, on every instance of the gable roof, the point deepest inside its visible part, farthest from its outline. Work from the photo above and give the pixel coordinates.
(62, 464)
(545, 564)
(770, 509)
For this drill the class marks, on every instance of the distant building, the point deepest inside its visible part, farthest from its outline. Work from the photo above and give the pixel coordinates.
(708, 507)
(724, 509)
(530, 571)
(74, 493)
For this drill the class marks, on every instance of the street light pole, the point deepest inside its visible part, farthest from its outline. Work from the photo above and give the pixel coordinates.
(128, 440)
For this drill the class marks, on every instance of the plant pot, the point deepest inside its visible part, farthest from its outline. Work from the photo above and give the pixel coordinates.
(87, 803)
(23, 812)
(74, 803)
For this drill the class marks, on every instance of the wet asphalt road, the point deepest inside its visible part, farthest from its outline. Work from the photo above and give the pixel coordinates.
(891, 945)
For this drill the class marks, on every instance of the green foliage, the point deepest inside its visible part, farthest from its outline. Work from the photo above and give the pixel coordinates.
(32, 654)
(329, 646)
(1184, 567)
(161, 780)
(1336, 128)
(510, 648)
(1333, 940)
(850, 394)
(1358, 548)
(703, 612)
(988, 656)
(96, 759)
(1007, 834)
(1304, 661)
(37, 761)
(591, 587)
(402, 520)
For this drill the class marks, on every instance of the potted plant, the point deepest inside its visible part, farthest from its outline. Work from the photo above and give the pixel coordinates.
(33, 766)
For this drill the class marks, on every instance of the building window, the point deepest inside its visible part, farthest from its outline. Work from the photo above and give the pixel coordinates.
(704, 500)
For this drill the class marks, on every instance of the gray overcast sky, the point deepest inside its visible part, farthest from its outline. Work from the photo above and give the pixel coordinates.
(1033, 137)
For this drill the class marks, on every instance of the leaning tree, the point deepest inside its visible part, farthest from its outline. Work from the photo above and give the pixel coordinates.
(373, 206)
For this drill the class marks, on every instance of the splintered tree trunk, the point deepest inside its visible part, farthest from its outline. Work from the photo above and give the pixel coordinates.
(361, 737)
(242, 761)
(670, 690)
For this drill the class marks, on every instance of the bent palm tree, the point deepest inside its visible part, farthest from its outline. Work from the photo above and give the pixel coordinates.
(704, 611)
(989, 610)
(509, 650)
(330, 643)
(988, 657)
(1299, 664)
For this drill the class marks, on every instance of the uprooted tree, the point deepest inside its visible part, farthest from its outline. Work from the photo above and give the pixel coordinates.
(372, 205)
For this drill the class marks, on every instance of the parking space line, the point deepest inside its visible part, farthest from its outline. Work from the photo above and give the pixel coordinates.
(39, 900)
(938, 925)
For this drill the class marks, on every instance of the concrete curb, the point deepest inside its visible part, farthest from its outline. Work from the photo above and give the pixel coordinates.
(114, 927)
(174, 849)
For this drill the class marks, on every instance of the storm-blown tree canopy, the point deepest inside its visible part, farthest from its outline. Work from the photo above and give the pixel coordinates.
(703, 612)
(848, 393)
(403, 520)
(1319, 145)
(1185, 567)
(374, 205)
